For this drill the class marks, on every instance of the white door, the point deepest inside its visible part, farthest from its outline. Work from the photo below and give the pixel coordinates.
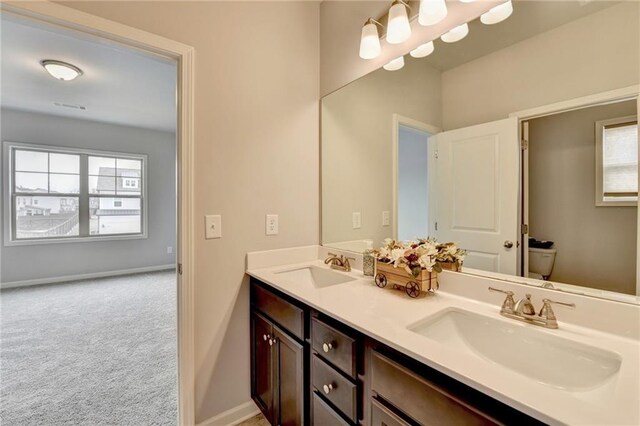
(476, 196)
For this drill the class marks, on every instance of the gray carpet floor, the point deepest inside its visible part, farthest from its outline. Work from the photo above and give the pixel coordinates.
(95, 352)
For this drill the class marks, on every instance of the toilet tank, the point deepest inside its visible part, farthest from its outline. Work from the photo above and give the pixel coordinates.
(541, 260)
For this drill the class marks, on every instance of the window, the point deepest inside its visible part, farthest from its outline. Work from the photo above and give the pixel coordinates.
(59, 193)
(617, 162)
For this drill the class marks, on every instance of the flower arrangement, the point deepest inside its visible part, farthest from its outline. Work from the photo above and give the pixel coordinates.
(414, 256)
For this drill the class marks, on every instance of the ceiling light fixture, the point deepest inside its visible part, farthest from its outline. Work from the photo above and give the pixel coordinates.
(394, 64)
(497, 14)
(61, 70)
(370, 40)
(455, 34)
(431, 12)
(423, 50)
(398, 28)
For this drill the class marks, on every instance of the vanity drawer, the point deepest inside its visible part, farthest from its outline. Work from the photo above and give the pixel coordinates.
(382, 416)
(334, 346)
(323, 415)
(419, 399)
(343, 393)
(286, 314)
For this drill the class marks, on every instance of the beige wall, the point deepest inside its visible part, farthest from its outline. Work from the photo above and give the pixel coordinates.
(593, 54)
(596, 245)
(256, 130)
(357, 127)
(340, 26)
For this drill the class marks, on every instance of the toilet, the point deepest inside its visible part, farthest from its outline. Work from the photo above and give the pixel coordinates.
(541, 262)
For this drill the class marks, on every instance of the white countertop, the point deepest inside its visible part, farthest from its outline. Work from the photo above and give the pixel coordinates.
(384, 315)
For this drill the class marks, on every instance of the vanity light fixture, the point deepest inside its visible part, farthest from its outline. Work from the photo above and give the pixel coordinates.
(394, 64)
(431, 12)
(398, 28)
(455, 34)
(423, 50)
(497, 14)
(370, 40)
(61, 70)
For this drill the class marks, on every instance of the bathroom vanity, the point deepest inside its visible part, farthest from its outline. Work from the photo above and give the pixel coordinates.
(330, 348)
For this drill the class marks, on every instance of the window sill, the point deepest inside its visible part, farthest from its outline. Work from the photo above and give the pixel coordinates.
(78, 240)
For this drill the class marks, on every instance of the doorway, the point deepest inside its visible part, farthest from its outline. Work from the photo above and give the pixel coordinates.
(68, 19)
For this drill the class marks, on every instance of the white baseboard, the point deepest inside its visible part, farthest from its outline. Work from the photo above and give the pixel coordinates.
(52, 280)
(233, 416)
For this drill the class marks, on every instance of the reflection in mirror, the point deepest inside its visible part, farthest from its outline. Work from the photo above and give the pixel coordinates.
(518, 142)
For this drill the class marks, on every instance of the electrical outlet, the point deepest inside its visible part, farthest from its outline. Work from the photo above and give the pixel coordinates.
(213, 226)
(271, 224)
(356, 219)
(385, 218)
(169, 250)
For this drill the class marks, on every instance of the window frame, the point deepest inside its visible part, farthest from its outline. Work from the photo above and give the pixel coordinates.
(9, 197)
(599, 129)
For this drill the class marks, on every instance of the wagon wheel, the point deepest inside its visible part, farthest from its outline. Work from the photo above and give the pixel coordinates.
(381, 280)
(413, 289)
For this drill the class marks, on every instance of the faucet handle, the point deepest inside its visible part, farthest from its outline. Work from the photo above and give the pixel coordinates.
(546, 312)
(509, 304)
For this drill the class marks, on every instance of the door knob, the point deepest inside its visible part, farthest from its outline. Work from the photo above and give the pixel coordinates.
(508, 244)
(328, 388)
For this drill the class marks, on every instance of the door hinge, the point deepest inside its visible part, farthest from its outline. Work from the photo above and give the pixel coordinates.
(436, 226)
(180, 268)
(524, 229)
(524, 144)
(436, 154)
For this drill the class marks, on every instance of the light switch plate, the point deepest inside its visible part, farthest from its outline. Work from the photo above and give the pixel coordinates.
(213, 226)
(271, 224)
(385, 218)
(356, 218)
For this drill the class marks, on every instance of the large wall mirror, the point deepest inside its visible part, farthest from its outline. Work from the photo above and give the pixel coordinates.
(518, 142)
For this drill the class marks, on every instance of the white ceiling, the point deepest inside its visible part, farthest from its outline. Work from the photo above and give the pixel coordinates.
(119, 85)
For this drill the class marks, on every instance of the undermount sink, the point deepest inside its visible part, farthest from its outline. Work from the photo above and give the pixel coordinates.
(534, 353)
(316, 276)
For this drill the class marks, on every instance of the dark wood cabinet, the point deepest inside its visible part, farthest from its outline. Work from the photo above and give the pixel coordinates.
(309, 368)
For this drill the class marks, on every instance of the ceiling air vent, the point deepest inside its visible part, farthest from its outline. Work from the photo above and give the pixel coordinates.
(72, 106)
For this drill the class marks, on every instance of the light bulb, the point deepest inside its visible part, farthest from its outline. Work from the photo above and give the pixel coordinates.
(422, 50)
(61, 70)
(369, 41)
(455, 34)
(398, 28)
(394, 64)
(497, 14)
(431, 12)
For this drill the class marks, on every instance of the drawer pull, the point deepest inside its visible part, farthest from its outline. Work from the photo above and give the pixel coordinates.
(328, 388)
(327, 347)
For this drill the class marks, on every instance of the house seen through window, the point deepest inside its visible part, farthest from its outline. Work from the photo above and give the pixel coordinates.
(61, 193)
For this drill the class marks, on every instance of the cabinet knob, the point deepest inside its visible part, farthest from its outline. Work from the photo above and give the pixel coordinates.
(327, 347)
(328, 388)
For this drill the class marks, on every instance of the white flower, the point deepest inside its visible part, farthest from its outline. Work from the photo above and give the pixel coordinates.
(426, 261)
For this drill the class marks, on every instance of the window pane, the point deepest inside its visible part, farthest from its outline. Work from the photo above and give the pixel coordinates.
(64, 163)
(104, 166)
(102, 185)
(620, 159)
(129, 186)
(46, 217)
(130, 168)
(31, 161)
(112, 216)
(32, 182)
(64, 184)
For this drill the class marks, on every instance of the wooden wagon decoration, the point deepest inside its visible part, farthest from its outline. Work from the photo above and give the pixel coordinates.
(421, 280)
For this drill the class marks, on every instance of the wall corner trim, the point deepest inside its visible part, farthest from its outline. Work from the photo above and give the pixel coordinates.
(233, 416)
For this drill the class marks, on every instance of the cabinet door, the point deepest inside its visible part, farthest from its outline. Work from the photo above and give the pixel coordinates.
(262, 364)
(290, 380)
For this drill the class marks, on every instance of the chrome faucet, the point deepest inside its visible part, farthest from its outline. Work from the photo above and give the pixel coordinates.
(341, 263)
(524, 310)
